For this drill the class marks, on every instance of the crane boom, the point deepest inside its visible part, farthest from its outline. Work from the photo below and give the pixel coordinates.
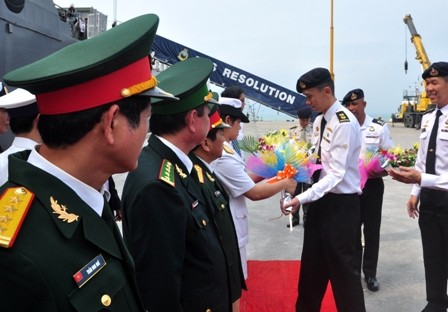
(414, 106)
(416, 39)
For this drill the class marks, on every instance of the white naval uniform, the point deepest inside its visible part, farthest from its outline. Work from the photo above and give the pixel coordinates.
(303, 134)
(439, 181)
(19, 144)
(330, 237)
(375, 134)
(231, 172)
(340, 149)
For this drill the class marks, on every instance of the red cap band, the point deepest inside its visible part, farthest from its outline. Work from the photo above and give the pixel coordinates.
(95, 92)
(215, 120)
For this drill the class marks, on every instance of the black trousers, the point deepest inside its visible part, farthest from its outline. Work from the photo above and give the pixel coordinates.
(329, 247)
(371, 201)
(433, 222)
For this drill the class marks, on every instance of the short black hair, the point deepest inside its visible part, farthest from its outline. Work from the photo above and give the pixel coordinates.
(67, 129)
(20, 125)
(171, 123)
(232, 92)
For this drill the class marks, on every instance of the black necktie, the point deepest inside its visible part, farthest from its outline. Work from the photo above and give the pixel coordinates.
(316, 173)
(431, 153)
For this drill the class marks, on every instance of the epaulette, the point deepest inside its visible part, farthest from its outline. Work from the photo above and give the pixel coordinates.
(167, 172)
(228, 150)
(378, 122)
(429, 111)
(14, 204)
(200, 173)
(342, 117)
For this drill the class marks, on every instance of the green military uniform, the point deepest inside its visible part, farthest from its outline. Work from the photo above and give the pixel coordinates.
(65, 257)
(214, 192)
(167, 227)
(179, 259)
(37, 273)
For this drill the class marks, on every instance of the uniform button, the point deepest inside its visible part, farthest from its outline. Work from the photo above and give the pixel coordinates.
(208, 310)
(223, 206)
(106, 300)
(204, 223)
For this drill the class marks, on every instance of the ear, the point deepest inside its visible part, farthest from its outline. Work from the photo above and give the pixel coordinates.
(109, 123)
(190, 120)
(205, 144)
(228, 120)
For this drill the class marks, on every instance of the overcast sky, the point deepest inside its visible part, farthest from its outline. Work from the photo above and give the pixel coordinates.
(280, 40)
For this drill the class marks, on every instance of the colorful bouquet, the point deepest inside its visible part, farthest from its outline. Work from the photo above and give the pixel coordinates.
(373, 162)
(403, 157)
(275, 156)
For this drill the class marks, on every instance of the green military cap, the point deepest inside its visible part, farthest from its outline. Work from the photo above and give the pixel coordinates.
(186, 80)
(90, 73)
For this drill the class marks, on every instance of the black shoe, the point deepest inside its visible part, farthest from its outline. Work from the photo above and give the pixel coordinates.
(295, 221)
(372, 283)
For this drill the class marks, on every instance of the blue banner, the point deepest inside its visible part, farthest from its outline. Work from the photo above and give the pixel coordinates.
(255, 88)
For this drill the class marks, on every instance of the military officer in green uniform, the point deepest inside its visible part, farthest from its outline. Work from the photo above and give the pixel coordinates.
(167, 223)
(60, 249)
(206, 152)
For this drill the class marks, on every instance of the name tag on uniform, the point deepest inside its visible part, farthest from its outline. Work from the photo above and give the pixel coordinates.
(89, 270)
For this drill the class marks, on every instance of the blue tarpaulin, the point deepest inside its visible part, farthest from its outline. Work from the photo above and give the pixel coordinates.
(255, 88)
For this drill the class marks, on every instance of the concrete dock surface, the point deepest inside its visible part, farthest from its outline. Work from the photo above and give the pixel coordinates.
(400, 266)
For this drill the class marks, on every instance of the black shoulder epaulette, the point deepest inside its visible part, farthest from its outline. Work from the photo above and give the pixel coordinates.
(429, 111)
(167, 172)
(342, 117)
(378, 122)
(15, 203)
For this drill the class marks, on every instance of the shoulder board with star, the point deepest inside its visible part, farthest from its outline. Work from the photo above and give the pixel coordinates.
(228, 150)
(200, 173)
(167, 172)
(15, 203)
(378, 122)
(342, 117)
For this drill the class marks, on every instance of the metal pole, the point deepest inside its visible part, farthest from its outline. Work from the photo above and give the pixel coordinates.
(331, 41)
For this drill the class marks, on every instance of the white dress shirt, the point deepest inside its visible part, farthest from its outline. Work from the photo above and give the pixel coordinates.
(438, 181)
(340, 149)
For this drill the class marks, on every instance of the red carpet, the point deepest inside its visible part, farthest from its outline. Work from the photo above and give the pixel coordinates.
(272, 287)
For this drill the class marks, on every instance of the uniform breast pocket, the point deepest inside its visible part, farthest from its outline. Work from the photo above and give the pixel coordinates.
(423, 135)
(325, 144)
(104, 291)
(443, 135)
(201, 232)
(372, 140)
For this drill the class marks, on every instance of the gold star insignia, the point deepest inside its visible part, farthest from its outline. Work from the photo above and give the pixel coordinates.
(10, 208)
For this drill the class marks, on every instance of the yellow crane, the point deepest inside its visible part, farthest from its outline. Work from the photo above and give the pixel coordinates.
(415, 105)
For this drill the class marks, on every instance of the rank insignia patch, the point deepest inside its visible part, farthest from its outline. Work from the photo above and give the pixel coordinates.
(62, 212)
(166, 173)
(14, 205)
